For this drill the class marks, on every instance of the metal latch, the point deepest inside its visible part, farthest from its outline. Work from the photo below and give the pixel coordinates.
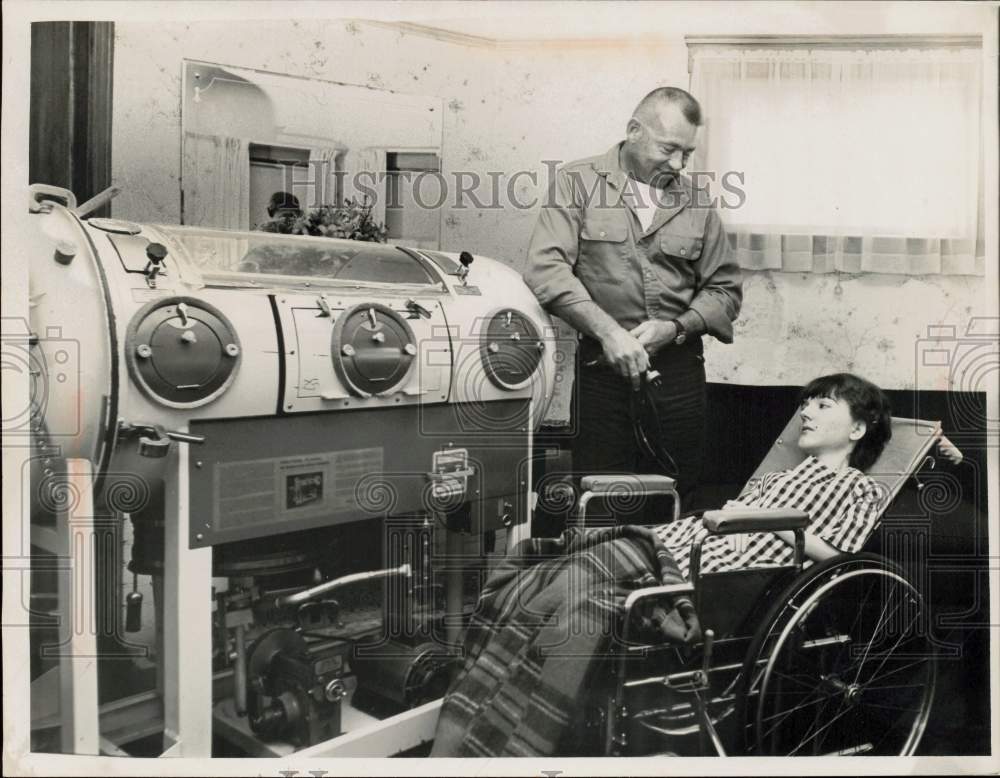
(450, 474)
(154, 441)
(416, 310)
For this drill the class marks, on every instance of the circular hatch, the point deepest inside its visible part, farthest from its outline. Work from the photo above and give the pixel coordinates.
(511, 348)
(182, 352)
(373, 349)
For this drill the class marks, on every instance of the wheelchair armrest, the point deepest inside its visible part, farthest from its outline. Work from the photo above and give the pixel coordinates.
(731, 522)
(684, 589)
(635, 484)
(671, 590)
(625, 485)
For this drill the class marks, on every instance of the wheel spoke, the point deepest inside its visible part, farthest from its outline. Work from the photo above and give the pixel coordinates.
(890, 652)
(840, 714)
(881, 620)
(890, 707)
(878, 676)
(869, 687)
(860, 607)
(785, 714)
(796, 680)
(847, 671)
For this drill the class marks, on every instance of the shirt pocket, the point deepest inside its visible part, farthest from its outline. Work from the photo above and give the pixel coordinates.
(604, 230)
(603, 249)
(681, 246)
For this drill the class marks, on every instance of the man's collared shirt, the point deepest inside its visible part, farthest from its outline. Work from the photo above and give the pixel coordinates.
(588, 245)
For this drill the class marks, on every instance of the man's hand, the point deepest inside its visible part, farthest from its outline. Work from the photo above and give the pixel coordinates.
(626, 356)
(654, 334)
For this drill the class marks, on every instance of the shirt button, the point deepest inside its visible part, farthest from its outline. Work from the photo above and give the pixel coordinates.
(684, 251)
(603, 234)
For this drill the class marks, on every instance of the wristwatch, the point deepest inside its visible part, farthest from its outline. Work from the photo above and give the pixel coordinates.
(681, 335)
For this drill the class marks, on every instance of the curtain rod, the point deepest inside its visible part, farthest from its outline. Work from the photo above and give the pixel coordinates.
(833, 41)
(921, 41)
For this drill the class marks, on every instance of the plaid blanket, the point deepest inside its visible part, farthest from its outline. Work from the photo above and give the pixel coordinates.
(543, 624)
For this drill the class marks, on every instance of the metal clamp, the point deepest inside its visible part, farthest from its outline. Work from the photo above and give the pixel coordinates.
(39, 194)
(450, 473)
(154, 441)
(417, 309)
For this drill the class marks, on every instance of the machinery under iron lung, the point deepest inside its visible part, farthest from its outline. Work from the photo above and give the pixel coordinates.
(300, 448)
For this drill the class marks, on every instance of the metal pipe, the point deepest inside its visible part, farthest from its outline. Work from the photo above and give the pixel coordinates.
(454, 586)
(240, 672)
(97, 201)
(328, 586)
(707, 727)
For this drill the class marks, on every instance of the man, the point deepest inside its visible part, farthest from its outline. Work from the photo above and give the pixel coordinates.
(634, 257)
(283, 204)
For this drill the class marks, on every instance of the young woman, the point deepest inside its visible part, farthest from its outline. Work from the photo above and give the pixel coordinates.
(846, 423)
(548, 607)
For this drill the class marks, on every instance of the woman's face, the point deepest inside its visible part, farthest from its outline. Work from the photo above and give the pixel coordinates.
(827, 425)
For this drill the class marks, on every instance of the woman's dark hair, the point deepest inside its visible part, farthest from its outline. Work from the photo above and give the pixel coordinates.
(867, 403)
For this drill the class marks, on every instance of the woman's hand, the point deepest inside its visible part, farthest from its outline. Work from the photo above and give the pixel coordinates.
(949, 451)
(735, 505)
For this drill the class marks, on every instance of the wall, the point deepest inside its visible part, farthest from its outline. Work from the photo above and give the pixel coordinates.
(508, 108)
(148, 86)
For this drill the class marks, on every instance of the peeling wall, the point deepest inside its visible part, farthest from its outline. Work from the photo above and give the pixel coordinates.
(147, 105)
(507, 110)
(795, 326)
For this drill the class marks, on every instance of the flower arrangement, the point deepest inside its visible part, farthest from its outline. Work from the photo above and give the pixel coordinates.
(352, 220)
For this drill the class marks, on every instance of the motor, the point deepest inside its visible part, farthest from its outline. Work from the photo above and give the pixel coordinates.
(294, 690)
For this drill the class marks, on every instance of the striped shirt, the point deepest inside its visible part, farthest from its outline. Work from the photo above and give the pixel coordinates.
(843, 507)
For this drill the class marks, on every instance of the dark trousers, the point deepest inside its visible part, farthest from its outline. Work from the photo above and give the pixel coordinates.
(605, 407)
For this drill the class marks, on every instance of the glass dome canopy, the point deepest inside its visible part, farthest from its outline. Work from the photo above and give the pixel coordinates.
(260, 259)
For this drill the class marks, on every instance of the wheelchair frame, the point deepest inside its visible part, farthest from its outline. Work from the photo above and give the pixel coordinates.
(840, 663)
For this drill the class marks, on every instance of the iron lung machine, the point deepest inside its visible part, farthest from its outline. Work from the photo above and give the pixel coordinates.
(299, 451)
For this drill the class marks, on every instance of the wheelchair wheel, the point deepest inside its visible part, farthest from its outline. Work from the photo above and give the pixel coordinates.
(844, 665)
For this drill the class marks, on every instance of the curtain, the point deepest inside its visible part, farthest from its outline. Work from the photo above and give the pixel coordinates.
(366, 178)
(216, 181)
(828, 160)
(323, 168)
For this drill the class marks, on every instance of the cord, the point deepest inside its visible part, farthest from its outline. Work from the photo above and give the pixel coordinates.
(644, 415)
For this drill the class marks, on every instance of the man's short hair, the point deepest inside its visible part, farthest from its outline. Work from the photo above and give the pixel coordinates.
(283, 202)
(689, 107)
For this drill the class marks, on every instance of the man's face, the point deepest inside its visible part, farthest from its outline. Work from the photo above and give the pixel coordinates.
(657, 146)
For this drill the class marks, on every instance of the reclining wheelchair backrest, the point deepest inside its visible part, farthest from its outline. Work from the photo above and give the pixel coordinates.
(902, 457)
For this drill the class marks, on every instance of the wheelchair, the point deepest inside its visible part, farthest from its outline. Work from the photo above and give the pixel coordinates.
(833, 658)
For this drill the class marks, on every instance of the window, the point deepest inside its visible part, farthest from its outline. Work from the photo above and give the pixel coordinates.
(331, 137)
(409, 223)
(854, 156)
(271, 171)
